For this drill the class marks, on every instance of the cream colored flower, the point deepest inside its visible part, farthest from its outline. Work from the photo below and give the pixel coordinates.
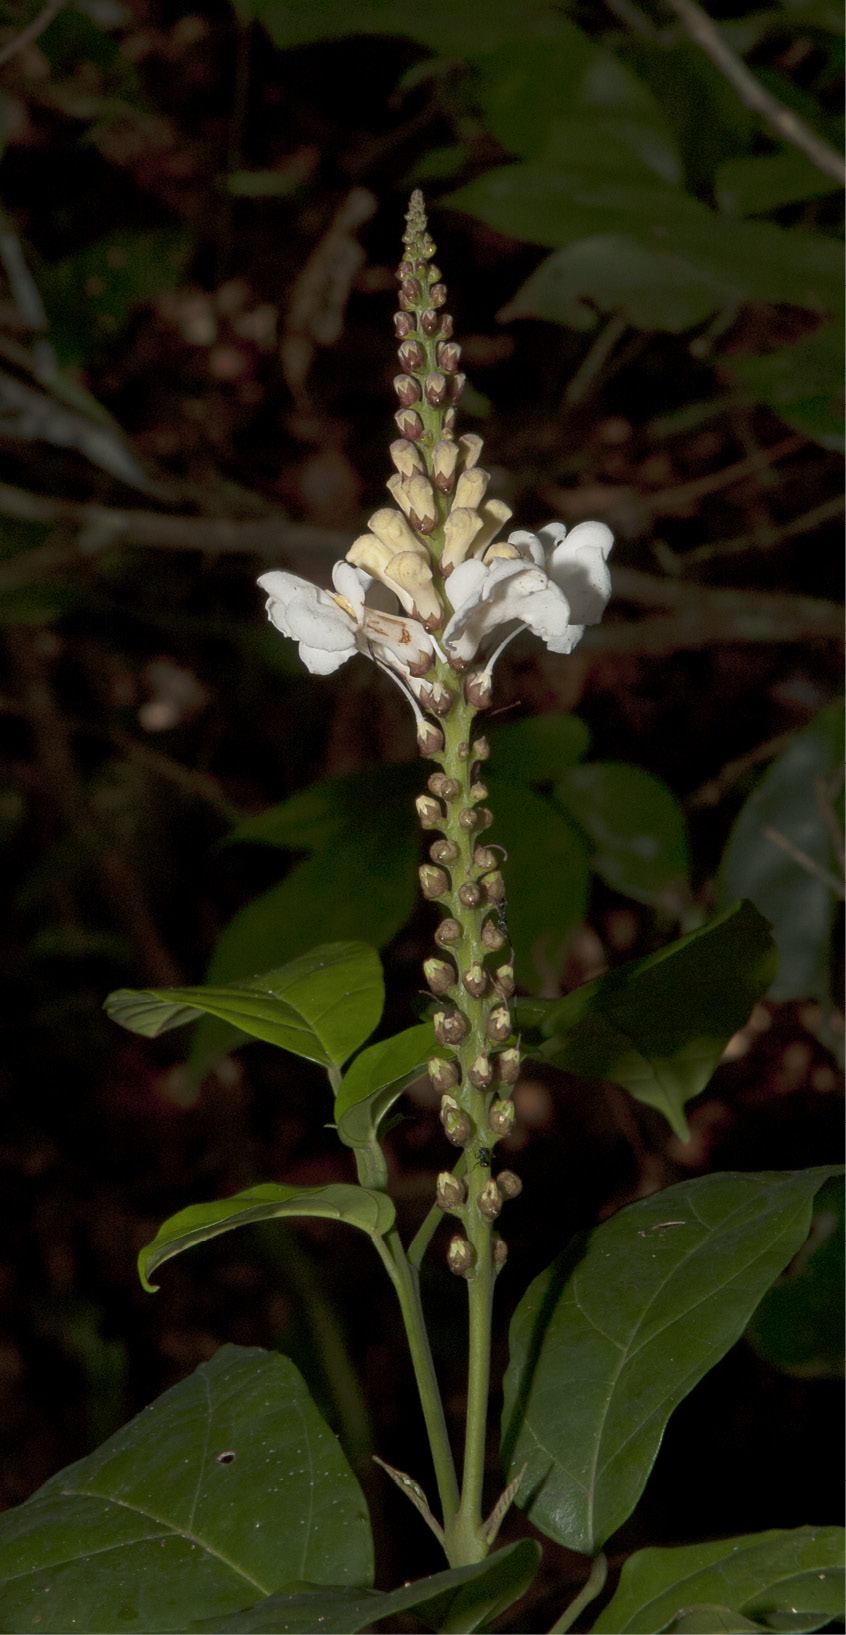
(331, 627)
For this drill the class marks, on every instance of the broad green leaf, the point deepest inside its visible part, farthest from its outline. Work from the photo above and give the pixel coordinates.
(226, 1488)
(441, 25)
(760, 182)
(537, 749)
(802, 382)
(635, 825)
(769, 1578)
(335, 809)
(659, 1025)
(800, 905)
(320, 1006)
(650, 286)
(463, 1598)
(610, 1338)
(798, 1326)
(377, 1077)
(547, 875)
(710, 1619)
(372, 1212)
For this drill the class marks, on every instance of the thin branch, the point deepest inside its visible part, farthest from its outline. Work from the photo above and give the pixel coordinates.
(809, 864)
(784, 122)
(32, 30)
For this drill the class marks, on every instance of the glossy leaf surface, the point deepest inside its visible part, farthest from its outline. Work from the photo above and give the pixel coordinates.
(371, 1212)
(659, 1025)
(464, 1598)
(610, 1338)
(537, 749)
(650, 286)
(779, 1580)
(321, 1006)
(227, 1487)
(798, 1326)
(377, 1077)
(635, 825)
(547, 875)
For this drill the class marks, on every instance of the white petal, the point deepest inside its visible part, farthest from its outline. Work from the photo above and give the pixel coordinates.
(321, 623)
(321, 663)
(578, 566)
(530, 544)
(350, 584)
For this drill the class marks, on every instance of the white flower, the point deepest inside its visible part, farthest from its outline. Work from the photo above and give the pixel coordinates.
(332, 627)
(553, 583)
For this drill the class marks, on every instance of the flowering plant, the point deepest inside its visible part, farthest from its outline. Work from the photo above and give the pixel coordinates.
(228, 1505)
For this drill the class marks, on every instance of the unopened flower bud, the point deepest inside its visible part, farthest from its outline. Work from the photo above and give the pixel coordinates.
(436, 782)
(447, 326)
(443, 851)
(430, 322)
(498, 1025)
(437, 295)
(481, 749)
(434, 883)
(448, 422)
(448, 354)
(492, 937)
(505, 980)
(444, 1075)
(450, 1192)
(508, 1065)
(433, 274)
(501, 1115)
(442, 699)
(481, 1073)
(469, 894)
(430, 738)
(470, 488)
(451, 789)
(489, 1201)
(475, 980)
(471, 447)
(440, 975)
(460, 530)
(499, 1251)
(429, 812)
(409, 424)
(407, 390)
(509, 1184)
(457, 384)
(421, 507)
(479, 791)
(448, 932)
(478, 690)
(444, 462)
(450, 1027)
(483, 857)
(463, 752)
(406, 457)
(467, 819)
(410, 289)
(411, 356)
(436, 388)
(403, 324)
(461, 1257)
(456, 1126)
(406, 267)
(493, 886)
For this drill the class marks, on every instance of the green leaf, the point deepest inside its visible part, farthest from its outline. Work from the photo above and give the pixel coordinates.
(802, 382)
(547, 875)
(610, 1338)
(769, 1578)
(650, 286)
(758, 183)
(635, 825)
(371, 1212)
(463, 1598)
(659, 1025)
(160, 1525)
(90, 295)
(798, 1326)
(537, 749)
(377, 1077)
(320, 1006)
(336, 809)
(710, 1619)
(800, 905)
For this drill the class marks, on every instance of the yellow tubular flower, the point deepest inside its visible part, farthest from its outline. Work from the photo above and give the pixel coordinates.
(460, 530)
(411, 576)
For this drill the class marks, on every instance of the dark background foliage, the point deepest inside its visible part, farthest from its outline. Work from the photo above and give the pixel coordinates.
(201, 220)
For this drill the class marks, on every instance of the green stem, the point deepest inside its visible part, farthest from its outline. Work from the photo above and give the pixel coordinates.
(425, 1233)
(589, 1591)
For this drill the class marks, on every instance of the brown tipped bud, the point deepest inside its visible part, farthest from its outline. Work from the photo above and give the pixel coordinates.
(481, 749)
(501, 1116)
(403, 324)
(509, 1184)
(477, 688)
(508, 1065)
(489, 1201)
(447, 326)
(407, 390)
(430, 812)
(437, 295)
(461, 1257)
(475, 980)
(440, 975)
(450, 1193)
(430, 322)
(449, 421)
(505, 980)
(463, 751)
(499, 1251)
(498, 1025)
(443, 851)
(411, 356)
(457, 1128)
(493, 886)
(479, 791)
(444, 1075)
(436, 388)
(436, 783)
(405, 268)
(485, 816)
(430, 738)
(481, 1073)
(467, 819)
(434, 883)
(471, 447)
(420, 504)
(448, 354)
(444, 462)
(450, 1027)
(442, 699)
(492, 937)
(451, 789)
(406, 457)
(410, 288)
(433, 273)
(457, 384)
(448, 932)
(409, 424)
(483, 857)
(469, 894)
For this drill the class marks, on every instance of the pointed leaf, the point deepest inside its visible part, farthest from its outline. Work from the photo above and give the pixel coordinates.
(659, 1025)
(226, 1488)
(610, 1338)
(635, 825)
(377, 1078)
(320, 1006)
(769, 1578)
(538, 749)
(463, 1598)
(547, 875)
(372, 1212)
